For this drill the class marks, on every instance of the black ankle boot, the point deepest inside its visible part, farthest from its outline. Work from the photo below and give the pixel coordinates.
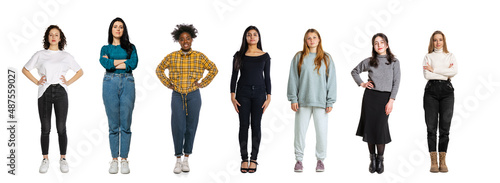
(373, 166)
(380, 164)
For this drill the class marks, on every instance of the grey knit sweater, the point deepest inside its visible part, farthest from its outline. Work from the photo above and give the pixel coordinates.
(385, 77)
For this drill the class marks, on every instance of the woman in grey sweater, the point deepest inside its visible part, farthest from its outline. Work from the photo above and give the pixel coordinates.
(380, 93)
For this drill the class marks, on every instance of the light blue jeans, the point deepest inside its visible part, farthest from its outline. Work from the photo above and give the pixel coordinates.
(118, 94)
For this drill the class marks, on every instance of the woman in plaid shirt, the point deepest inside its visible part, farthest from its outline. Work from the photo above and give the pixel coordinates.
(186, 68)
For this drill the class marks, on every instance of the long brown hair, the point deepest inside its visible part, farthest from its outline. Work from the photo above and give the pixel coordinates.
(390, 56)
(320, 54)
(431, 42)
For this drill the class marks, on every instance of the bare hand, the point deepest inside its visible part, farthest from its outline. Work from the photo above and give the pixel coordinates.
(63, 79)
(42, 80)
(429, 67)
(388, 107)
(451, 65)
(197, 84)
(295, 107)
(266, 104)
(368, 85)
(236, 104)
(328, 110)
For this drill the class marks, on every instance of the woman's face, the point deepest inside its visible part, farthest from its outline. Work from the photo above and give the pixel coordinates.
(185, 41)
(380, 45)
(117, 29)
(54, 36)
(312, 40)
(438, 41)
(252, 37)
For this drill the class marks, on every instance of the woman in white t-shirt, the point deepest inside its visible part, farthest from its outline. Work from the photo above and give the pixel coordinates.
(52, 64)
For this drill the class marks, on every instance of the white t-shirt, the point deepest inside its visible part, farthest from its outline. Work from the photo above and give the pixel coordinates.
(52, 64)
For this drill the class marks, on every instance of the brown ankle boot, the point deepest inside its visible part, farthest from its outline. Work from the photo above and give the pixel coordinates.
(434, 162)
(442, 162)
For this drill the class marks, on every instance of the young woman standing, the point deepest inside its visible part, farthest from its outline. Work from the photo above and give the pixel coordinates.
(312, 90)
(52, 64)
(253, 93)
(119, 58)
(439, 67)
(186, 68)
(381, 90)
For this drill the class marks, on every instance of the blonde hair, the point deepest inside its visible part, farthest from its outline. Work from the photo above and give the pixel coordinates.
(431, 42)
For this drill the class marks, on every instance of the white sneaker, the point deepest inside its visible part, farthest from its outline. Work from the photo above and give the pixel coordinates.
(64, 165)
(45, 166)
(113, 167)
(125, 168)
(185, 166)
(178, 168)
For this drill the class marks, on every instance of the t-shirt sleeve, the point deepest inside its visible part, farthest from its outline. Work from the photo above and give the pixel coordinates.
(73, 65)
(33, 61)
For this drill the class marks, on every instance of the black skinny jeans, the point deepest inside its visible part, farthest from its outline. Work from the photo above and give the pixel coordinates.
(439, 99)
(251, 99)
(54, 95)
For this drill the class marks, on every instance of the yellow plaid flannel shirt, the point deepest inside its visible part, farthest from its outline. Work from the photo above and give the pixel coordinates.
(184, 69)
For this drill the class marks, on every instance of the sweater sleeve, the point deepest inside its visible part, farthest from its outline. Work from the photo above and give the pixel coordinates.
(234, 76)
(131, 63)
(428, 74)
(331, 83)
(361, 67)
(448, 71)
(293, 81)
(212, 71)
(267, 75)
(396, 79)
(106, 62)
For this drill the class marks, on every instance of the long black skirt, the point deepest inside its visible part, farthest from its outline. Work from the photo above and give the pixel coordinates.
(373, 123)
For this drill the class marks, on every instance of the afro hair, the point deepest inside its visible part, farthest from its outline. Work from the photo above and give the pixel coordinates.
(181, 28)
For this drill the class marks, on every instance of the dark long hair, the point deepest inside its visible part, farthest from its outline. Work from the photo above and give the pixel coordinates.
(390, 56)
(244, 46)
(46, 43)
(124, 40)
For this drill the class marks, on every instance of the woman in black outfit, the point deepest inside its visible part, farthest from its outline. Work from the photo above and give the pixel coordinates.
(253, 94)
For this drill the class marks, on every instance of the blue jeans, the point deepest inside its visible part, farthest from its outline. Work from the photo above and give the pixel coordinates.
(118, 94)
(184, 121)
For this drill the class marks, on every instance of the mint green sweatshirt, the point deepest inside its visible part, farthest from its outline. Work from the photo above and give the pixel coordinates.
(311, 89)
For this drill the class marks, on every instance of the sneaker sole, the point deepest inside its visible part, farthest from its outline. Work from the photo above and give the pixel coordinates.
(298, 170)
(319, 170)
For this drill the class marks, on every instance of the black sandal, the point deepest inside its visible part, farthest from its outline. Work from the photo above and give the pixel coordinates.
(253, 169)
(244, 170)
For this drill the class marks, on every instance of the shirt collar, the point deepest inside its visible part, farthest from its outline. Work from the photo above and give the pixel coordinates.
(183, 53)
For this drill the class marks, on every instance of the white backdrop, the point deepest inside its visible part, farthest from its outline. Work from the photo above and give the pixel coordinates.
(346, 27)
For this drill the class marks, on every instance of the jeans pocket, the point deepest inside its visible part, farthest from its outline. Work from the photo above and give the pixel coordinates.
(428, 86)
(106, 78)
(449, 87)
(130, 79)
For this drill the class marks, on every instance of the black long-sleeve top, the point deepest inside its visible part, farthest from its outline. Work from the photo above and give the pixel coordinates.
(254, 71)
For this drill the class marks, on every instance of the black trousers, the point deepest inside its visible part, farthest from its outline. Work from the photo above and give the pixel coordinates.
(251, 99)
(54, 95)
(439, 99)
